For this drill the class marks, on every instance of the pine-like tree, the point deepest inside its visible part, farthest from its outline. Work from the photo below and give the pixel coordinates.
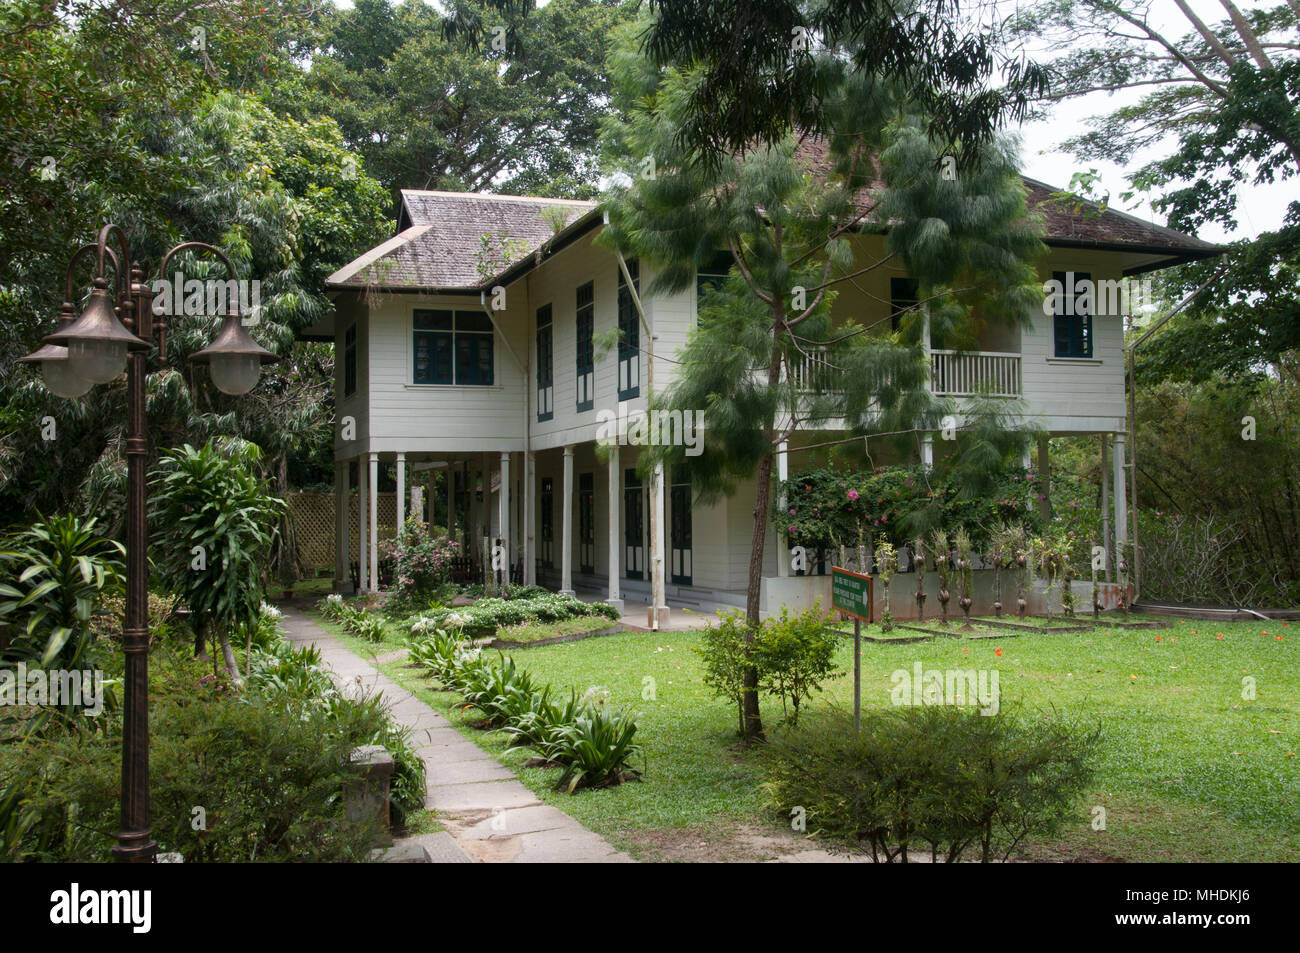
(767, 359)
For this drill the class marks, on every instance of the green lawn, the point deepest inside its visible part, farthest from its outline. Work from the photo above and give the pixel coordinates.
(1189, 770)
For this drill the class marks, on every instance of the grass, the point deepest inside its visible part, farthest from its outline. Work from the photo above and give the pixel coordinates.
(1189, 768)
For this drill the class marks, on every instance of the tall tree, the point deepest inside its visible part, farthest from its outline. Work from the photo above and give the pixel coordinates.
(1220, 107)
(474, 99)
(795, 238)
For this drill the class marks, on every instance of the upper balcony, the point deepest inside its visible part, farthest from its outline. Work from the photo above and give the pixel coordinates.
(952, 373)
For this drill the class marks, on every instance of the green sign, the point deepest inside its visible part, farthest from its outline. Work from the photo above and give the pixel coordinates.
(851, 593)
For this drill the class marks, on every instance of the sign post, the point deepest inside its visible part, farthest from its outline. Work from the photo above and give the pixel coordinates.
(852, 594)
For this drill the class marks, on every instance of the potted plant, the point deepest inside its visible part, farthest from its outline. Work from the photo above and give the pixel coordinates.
(288, 573)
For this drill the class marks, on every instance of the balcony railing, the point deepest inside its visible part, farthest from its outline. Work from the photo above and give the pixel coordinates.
(952, 373)
(967, 373)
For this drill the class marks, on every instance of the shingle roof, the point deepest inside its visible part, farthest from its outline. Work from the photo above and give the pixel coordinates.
(439, 245)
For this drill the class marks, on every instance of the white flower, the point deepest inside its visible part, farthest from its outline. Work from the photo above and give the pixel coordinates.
(597, 696)
(456, 619)
(269, 611)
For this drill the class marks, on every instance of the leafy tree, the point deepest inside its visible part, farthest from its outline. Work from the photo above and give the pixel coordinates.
(213, 524)
(1220, 108)
(463, 109)
(968, 241)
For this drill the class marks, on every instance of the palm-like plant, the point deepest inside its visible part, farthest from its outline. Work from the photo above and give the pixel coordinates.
(965, 573)
(939, 553)
(215, 522)
(52, 574)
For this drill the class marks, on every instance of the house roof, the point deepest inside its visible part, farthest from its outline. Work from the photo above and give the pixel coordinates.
(440, 244)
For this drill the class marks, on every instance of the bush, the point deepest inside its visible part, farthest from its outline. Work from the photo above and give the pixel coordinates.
(422, 566)
(362, 624)
(931, 777)
(795, 654)
(52, 576)
(792, 654)
(485, 616)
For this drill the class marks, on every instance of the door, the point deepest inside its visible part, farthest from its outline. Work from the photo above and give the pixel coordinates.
(633, 525)
(680, 544)
(587, 522)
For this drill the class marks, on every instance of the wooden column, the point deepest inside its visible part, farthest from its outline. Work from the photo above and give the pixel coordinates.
(566, 551)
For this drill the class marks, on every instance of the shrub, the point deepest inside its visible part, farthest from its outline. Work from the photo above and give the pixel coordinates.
(595, 748)
(362, 624)
(726, 654)
(931, 777)
(52, 576)
(421, 565)
(485, 616)
(332, 606)
(795, 654)
(214, 523)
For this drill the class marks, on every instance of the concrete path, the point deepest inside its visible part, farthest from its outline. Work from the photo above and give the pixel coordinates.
(488, 812)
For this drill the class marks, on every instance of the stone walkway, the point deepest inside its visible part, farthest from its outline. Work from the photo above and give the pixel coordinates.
(489, 814)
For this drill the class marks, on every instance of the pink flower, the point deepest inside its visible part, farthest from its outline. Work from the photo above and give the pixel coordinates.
(853, 494)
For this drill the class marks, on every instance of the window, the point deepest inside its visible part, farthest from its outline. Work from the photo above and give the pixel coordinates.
(586, 346)
(350, 361)
(545, 365)
(902, 295)
(629, 338)
(1071, 321)
(453, 347)
(711, 274)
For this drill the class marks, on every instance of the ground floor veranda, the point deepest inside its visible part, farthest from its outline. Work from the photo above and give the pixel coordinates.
(578, 519)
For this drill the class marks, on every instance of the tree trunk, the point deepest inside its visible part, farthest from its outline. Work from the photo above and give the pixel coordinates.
(762, 497)
(228, 654)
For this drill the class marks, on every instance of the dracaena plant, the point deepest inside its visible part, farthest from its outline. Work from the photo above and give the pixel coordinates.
(52, 575)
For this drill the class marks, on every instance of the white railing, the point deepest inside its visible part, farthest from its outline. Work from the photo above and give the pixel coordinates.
(967, 373)
(952, 373)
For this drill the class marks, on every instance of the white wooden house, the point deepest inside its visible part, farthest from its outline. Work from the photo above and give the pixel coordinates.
(503, 389)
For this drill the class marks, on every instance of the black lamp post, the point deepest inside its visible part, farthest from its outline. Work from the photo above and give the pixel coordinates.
(95, 348)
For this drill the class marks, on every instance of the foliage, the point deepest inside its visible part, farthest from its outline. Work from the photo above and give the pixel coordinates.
(792, 654)
(932, 778)
(52, 575)
(429, 106)
(591, 745)
(1217, 106)
(362, 623)
(267, 772)
(726, 651)
(421, 566)
(795, 655)
(213, 525)
(486, 615)
(826, 508)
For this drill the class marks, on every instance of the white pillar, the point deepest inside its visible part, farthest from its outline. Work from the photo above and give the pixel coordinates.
(451, 501)
(615, 597)
(342, 527)
(1044, 479)
(363, 523)
(374, 521)
(782, 535)
(401, 494)
(927, 450)
(1105, 508)
(432, 481)
(529, 529)
(1120, 490)
(566, 550)
(658, 614)
(503, 513)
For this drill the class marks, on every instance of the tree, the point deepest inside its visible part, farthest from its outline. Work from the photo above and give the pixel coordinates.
(1221, 104)
(214, 523)
(793, 238)
(505, 101)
